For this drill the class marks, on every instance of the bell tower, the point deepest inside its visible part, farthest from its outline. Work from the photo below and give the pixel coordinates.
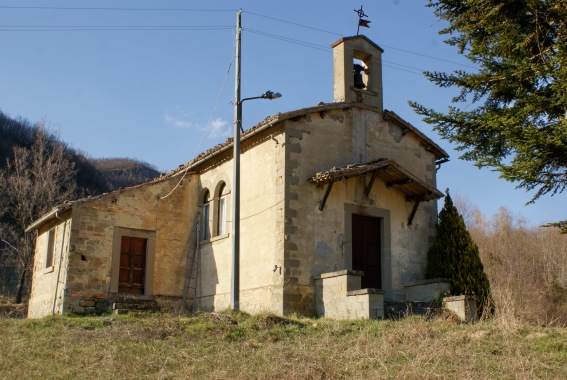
(357, 71)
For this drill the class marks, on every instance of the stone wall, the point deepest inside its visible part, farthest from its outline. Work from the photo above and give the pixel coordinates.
(139, 212)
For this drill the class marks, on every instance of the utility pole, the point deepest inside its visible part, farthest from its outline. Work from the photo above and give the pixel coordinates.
(235, 285)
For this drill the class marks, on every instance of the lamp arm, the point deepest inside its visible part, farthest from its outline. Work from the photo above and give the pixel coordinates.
(255, 97)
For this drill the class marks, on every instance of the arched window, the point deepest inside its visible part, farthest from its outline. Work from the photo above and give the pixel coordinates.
(206, 228)
(221, 209)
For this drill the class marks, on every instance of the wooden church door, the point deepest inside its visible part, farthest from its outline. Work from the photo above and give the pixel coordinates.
(366, 250)
(132, 265)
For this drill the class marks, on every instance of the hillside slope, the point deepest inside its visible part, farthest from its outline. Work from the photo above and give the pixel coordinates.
(240, 346)
(94, 176)
(125, 172)
(20, 133)
(49, 172)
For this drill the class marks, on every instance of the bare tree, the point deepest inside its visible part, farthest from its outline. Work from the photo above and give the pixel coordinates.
(467, 210)
(34, 180)
(527, 268)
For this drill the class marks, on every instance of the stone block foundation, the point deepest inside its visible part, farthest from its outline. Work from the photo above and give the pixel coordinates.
(338, 296)
(464, 307)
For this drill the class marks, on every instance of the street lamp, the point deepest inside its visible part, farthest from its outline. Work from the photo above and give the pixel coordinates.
(235, 286)
(266, 95)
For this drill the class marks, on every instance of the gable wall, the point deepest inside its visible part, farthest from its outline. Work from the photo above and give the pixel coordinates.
(317, 241)
(261, 229)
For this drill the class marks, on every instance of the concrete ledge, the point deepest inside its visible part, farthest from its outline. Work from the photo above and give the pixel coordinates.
(456, 298)
(344, 272)
(463, 306)
(365, 304)
(427, 290)
(338, 295)
(365, 291)
(427, 281)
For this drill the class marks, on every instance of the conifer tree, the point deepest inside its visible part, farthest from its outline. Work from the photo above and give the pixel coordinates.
(510, 113)
(455, 255)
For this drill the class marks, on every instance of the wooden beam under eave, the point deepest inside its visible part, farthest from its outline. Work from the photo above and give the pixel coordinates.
(325, 196)
(370, 184)
(413, 211)
(400, 182)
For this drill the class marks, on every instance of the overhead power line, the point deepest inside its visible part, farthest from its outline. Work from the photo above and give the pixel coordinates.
(95, 28)
(407, 71)
(117, 26)
(288, 39)
(429, 56)
(206, 131)
(47, 28)
(340, 35)
(293, 23)
(389, 64)
(117, 9)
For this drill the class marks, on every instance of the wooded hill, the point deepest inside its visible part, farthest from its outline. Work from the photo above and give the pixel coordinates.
(125, 172)
(94, 175)
(37, 172)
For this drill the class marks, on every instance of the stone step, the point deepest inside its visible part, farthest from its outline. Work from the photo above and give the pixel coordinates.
(397, 310)
(122, 304)
(131, 298)
(150, 306)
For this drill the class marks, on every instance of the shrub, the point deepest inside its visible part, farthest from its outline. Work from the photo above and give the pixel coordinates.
(455, 255)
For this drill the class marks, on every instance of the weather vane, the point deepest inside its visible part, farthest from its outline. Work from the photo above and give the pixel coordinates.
(361, 22)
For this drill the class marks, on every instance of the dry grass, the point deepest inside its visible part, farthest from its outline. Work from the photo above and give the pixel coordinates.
(526, 266)
(8, 309)
(227, 345)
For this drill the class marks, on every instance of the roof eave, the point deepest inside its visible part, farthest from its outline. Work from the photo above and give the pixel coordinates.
(429, 192)
(360, 36)
(47, 217)
(426, 141)
(262, 126)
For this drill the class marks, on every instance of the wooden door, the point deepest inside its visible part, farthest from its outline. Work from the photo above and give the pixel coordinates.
(366, 251)
(132, 265)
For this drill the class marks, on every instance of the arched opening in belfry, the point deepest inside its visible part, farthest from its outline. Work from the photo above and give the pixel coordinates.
(360, 72)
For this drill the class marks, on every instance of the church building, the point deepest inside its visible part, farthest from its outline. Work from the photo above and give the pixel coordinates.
(338, 205)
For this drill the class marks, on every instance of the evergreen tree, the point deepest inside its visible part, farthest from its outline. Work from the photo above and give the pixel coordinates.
(511, 111)
(454, 255)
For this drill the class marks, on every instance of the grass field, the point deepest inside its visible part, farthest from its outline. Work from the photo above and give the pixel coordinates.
(237, 345)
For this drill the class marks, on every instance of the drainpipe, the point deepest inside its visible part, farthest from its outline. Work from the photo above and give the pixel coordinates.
(60, 261)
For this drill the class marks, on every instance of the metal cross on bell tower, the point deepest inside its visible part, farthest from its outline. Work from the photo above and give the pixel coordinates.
(361, 22)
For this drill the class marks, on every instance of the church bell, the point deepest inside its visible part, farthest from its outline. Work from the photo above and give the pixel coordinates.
(358, 82)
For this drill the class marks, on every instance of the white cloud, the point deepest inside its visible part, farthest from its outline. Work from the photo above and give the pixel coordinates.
(178, 122)
(218, 128)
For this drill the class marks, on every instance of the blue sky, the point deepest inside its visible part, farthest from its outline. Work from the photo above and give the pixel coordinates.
(119, 82)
